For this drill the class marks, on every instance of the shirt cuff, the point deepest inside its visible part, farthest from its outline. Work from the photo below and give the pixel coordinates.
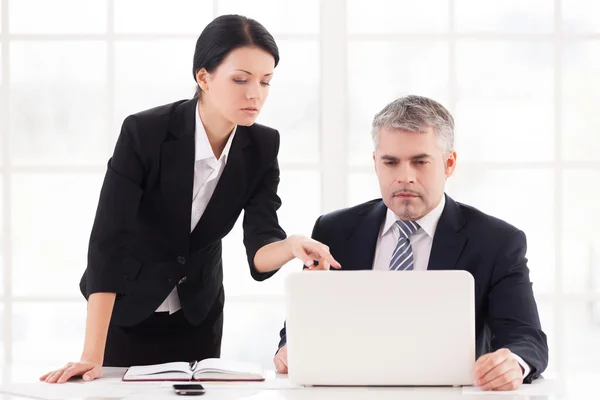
(523, 364)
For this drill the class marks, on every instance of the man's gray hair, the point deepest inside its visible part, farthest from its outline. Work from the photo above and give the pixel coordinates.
(416, 114)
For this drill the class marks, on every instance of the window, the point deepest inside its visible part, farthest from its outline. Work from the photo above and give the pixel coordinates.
(521, 82)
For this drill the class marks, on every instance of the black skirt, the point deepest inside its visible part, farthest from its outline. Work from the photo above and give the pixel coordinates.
(165, 338)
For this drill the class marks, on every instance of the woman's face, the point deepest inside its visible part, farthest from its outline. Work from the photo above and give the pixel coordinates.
(239, 86)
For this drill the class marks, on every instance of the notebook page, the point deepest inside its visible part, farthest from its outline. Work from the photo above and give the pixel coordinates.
(228, 366)
(159, 368)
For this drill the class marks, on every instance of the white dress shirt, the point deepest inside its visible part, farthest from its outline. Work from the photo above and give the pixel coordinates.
(207, 172)
(421, 242)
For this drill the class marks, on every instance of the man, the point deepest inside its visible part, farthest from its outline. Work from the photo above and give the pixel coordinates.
(415, 226)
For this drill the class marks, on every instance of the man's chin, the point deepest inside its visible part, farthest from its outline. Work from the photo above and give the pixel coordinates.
(408, 213)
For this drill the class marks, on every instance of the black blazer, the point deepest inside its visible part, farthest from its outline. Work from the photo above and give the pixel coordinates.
(141, 246)
(467, 239)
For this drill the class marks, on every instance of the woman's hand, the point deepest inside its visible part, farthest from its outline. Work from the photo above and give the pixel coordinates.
(89, 370)
(309, 250)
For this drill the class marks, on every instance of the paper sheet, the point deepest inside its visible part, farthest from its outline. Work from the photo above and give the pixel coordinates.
(101, 389)
(540, 387)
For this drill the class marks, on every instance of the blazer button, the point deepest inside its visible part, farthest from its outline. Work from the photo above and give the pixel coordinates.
(181, 260)
(182, 280)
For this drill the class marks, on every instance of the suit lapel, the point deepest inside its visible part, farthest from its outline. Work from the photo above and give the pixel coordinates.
(363, 238)
(448, 242)
(229, 192)
(177, 174)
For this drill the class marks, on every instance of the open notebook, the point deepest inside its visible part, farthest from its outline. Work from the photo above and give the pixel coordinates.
(210, 369)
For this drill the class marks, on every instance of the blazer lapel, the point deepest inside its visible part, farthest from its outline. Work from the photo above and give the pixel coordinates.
(363, 238)
(448, 242)
(229, 192)
(177, 175)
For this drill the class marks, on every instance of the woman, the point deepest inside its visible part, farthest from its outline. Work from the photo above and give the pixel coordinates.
(179, 178)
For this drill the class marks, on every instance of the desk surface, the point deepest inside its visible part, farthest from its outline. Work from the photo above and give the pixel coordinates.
(20, 382)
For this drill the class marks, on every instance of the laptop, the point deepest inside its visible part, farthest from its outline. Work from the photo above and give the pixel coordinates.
(380, 328)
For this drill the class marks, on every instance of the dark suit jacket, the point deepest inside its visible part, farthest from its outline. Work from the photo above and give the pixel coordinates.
(141, 246)
(467, 239)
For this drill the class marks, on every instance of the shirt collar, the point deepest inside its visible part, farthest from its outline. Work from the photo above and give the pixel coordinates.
(203, 149)
(428, 223)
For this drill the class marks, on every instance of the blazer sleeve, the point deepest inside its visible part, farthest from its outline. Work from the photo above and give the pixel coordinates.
(512, 313)
(316, 235)
(108, 261)
(261, 225)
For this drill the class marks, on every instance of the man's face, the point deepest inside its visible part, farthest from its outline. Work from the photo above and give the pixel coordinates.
(412, 170)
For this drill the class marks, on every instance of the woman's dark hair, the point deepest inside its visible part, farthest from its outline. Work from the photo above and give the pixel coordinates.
(225, 34)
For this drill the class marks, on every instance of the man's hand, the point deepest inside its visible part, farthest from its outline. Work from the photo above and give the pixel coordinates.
(280, 360)
(499, 370)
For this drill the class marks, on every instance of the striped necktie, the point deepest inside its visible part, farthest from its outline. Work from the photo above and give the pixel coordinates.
(402, 258)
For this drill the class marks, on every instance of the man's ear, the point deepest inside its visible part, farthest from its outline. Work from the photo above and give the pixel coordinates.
(450, 164)
(374, 162)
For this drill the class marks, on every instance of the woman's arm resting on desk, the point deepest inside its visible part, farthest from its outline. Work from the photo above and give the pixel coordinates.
(119, 199)
(273, 255)
(100, 307)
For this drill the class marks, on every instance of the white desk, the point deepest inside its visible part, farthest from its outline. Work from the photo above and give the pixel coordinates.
(23, 380)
